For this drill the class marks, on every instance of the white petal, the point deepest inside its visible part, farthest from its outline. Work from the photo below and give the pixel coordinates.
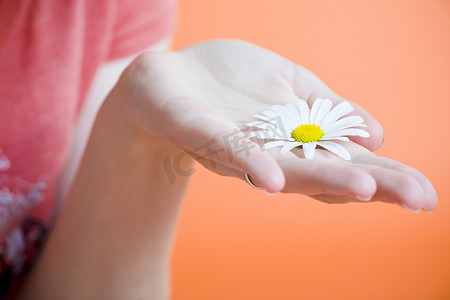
(336, 130)
(314, 109)
(284, 124)
(260, 134)
(252, 134)
(294, 112)
(261, 125)
(304, 111)
(278, 125)
(324, 109)
(336, 149)
(264, 118)
(343, 123)
(281, 110)
(273, 144)
(282, 129)
(270, 113)
(268, 135)
(348, 132)
(286, 116)
(289, 146)
(308, 150)
(337, 112)
(255, 124)
(339, 138)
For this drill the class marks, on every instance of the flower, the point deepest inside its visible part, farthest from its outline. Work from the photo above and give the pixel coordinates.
(291, 126)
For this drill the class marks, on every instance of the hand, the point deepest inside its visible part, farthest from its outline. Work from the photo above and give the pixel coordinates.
(367, 177)
(200, 95)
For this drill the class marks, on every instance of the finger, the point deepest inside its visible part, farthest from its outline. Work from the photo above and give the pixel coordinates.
(201, 129)
(374, 128)
(333, 199)
(215, 166)
(429, 193)
(222, 170)
(325, 175)
(431, 199)
(396, 187)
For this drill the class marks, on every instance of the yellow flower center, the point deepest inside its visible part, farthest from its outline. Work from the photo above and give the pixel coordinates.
(307, 133)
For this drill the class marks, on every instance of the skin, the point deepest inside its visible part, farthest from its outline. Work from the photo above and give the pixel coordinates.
(114, 235)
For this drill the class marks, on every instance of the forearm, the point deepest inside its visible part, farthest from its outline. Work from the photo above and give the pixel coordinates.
(113, 237)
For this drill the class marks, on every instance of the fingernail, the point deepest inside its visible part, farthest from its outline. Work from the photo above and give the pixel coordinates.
(427, 211)
(363, 198)
(270, 194)
(410, 209)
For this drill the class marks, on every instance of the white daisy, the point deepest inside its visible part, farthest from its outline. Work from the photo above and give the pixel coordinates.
(291, 126)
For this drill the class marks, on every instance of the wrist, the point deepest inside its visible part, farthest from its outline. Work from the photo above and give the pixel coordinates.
(114, 119)
(131, 147)
(121, 201)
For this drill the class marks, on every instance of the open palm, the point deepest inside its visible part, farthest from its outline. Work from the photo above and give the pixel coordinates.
(200, 99)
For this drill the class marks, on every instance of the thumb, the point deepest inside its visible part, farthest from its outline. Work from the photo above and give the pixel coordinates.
(201, 129)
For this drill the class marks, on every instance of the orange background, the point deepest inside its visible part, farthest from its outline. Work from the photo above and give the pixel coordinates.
(393, 58)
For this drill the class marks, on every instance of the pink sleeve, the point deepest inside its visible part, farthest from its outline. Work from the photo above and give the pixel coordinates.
(139, 23)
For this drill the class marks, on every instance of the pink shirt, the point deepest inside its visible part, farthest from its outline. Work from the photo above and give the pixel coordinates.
(49, 52)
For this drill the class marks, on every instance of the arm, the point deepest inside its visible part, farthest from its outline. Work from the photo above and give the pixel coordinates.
(114, 234)
(113, 238)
